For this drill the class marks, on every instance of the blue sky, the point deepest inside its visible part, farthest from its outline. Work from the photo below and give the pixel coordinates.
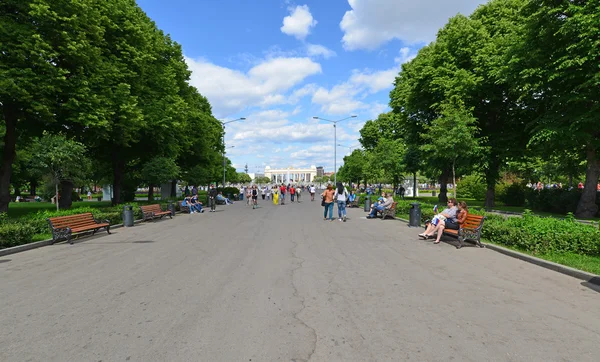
(279, 63)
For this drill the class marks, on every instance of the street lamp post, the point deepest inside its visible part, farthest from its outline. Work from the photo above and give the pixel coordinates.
(223, 125)
(335, 143)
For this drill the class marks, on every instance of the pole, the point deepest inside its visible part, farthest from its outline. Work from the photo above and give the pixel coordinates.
(335, 153)
(223, 156)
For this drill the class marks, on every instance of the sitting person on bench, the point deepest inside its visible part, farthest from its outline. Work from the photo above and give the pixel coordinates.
(197, 205)
(220, 197)
(454, 217)
(351, 197)
(387, 203)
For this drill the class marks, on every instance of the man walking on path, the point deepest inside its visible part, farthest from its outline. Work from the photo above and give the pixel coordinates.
(212, 196)
(282, 191)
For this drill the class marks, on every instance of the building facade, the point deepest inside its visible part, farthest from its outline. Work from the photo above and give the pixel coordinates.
(291, 174)
(320, 171)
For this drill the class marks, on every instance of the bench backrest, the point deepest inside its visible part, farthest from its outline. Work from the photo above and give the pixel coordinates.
(151, 208)
(393, 207)
(473, 221)
(72, 221)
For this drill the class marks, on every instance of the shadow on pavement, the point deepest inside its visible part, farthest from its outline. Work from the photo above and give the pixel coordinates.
(5, 260)
(593, 284)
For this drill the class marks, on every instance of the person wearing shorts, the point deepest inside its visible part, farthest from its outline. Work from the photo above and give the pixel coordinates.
(254, 194)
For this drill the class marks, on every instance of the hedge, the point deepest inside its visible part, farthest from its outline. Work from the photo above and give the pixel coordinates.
(538, 235)
(14, 232)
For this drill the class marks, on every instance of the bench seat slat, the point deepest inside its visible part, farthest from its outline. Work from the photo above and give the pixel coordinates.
(471, 226)
(75, 224)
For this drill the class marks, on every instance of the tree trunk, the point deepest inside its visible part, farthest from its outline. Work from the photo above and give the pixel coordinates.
(33, 187)
(151, 192)
(8, 155)
(174, 188)
(443, 196)
(65, 202)
(454, 177)
(492, 174)
(414, 185)
(118, 166)
(56, 195)
(587, 208)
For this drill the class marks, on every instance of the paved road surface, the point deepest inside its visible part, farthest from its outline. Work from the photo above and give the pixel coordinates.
(280, 284)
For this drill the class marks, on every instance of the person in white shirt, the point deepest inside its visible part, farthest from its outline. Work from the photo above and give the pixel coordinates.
(341, 195)
(313, 189)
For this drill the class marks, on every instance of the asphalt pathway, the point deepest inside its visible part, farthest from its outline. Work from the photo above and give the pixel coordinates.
(280, 284)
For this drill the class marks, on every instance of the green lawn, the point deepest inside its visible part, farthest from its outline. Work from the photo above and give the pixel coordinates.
(590, 264)
(19, 209)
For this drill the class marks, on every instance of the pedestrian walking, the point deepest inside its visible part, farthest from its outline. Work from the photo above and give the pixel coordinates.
(292, 193)
(282, 191)
(327, 202)
(254, 193)
(341, 195)
(212, 197)
(298, 192)
(312, 192)
(275, 195)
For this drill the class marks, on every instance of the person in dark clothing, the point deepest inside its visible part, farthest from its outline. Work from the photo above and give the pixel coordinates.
(212, 196)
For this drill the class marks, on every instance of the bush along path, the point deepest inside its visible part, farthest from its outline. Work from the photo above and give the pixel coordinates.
(34, 226)
(564, 241)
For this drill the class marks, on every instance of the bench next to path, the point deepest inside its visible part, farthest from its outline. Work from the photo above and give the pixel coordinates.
(63, 227)
(391, 212)
(150, 212)
(469, 230)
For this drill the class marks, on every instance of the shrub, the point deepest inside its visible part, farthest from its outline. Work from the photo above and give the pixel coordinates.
(471, 187)
(511, 195)
(230, 190)
(543, 235)
(14, 234)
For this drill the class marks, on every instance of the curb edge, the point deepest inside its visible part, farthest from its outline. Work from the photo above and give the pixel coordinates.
(572, 272)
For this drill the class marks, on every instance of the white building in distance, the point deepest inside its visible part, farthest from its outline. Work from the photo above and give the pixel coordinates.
(291, 175)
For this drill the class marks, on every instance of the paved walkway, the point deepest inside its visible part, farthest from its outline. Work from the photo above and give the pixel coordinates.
(280, 284)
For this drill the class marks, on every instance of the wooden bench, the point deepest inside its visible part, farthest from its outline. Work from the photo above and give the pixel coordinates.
(63, 227)
(151, 212)
(391, 212)
(469, 230)
(356, 202)
(184, 208)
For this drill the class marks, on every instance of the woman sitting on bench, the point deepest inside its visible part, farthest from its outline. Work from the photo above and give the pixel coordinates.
(453, 219)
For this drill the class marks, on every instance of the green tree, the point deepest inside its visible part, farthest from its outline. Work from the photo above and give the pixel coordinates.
(262, 180)
(159, 171)
(43, 68)
(244, 178)
(555, 67)
(451, 138)
(64, 162)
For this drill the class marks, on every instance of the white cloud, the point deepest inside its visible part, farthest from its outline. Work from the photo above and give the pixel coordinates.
(371, 23)
(230, 91)
(347, 97)
(299, 22)
(315, 50)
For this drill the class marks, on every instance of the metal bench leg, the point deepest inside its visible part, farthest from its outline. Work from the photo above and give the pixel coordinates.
(108, 229)
(461, 239)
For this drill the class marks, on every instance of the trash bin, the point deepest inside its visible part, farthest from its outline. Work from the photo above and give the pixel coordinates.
(171, 207)
(127, 215)
(415, 215)
(368, 203)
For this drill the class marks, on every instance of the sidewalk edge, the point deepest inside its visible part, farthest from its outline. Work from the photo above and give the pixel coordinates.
(572, 272)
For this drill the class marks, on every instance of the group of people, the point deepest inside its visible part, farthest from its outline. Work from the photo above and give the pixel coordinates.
(451, 217)
(330, 196)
